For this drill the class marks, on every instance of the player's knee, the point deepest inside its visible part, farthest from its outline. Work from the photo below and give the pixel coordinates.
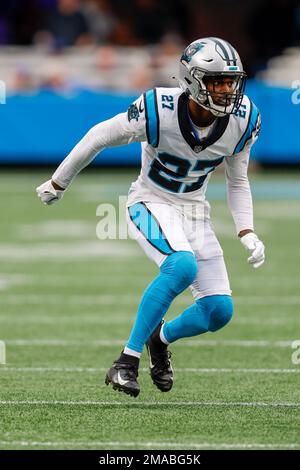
(221, 313)
(181, 266)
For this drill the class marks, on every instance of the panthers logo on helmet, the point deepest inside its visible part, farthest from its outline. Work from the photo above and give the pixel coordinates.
(191, 50)
(133, 112)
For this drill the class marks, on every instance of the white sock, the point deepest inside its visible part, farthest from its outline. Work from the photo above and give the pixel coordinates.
(162, 336)
(131, 352)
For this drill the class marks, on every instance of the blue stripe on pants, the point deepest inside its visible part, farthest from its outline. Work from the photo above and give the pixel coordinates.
(148, 225)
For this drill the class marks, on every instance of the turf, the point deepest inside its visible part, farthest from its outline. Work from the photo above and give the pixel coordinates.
(68, 301)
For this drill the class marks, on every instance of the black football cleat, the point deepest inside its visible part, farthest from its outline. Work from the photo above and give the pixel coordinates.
(161, 369)
(123, 375)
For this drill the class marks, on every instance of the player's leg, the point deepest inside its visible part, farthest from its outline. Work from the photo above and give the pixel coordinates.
(158, 229)
(213, 307)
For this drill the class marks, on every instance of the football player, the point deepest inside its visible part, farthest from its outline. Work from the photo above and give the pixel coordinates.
(186, 132)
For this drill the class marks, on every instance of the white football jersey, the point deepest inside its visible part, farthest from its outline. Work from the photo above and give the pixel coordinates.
(177, 162)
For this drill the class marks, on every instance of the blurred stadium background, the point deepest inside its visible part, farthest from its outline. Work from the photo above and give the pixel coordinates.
(69, 64)
(68, 300)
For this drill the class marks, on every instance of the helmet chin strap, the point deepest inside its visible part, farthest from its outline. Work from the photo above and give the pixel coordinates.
(215, 112)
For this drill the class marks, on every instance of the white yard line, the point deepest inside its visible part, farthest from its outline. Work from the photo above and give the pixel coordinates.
(73, 279)
(155, 445)
(4, 284)
(103, 318)
(92, 370)
(63, 299)
(118, 342)
(63, 252)
(150, 404)
(50, 228)
(109, 318)
(107, 299)
(287, 321)
(9, 280)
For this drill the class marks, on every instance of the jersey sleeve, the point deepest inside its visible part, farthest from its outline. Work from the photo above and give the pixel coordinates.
(134, 121)
(236, 170)
(122, 129)
(238, 190)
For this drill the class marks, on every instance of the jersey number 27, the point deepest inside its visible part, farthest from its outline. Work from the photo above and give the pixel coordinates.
(170, 179)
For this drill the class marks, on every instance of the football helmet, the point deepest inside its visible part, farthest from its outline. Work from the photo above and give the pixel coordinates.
(212, 59)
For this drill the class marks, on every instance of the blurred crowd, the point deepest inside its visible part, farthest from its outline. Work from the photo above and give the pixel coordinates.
(62, 23)
(259, 29)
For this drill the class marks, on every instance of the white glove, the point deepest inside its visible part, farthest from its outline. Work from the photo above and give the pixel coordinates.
(255, 247)
(48, 194)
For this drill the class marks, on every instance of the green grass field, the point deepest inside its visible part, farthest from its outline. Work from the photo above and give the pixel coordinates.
(68, 301)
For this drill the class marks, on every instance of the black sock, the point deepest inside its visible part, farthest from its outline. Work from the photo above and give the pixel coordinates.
(159, 344)
(129, 359)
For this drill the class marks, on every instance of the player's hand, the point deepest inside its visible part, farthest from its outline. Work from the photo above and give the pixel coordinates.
(48, 194)
(255, 247)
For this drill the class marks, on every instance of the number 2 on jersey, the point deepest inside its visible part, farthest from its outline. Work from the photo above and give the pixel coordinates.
(169, 178)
